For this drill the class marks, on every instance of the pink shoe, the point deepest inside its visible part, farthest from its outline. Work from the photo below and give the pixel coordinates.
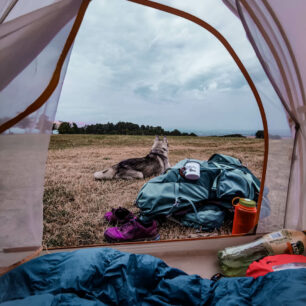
(118, 215)
(132, 231)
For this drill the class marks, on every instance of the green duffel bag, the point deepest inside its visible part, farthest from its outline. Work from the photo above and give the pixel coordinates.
(222, 177)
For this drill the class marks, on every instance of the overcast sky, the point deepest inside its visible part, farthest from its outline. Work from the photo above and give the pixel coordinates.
(137, 64)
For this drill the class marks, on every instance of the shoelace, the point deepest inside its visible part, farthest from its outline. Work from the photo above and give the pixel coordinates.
(125, 225)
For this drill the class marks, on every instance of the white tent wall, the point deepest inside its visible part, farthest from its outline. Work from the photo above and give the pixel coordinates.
(34, 44)
(275, 29)
(296, 209)
(28, 85)
(22, 39)
(23, 159)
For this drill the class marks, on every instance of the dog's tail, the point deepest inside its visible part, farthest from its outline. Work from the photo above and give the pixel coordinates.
(106, 174)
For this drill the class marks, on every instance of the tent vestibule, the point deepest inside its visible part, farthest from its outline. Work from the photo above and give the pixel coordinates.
(36, 39)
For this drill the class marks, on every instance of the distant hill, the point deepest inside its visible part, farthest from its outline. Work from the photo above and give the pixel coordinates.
(120, 128)
(233, 135)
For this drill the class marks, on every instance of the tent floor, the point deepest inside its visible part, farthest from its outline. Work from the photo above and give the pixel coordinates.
(192, 256)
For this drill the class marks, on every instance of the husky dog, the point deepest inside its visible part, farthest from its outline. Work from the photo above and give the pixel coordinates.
(155, 163)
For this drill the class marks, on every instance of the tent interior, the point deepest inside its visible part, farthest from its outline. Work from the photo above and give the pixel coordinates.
(36, 41)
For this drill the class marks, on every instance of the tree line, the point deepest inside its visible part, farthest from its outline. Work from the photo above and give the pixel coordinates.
(120, 128)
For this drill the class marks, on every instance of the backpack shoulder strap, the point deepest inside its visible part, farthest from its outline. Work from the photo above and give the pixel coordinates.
(222, 158)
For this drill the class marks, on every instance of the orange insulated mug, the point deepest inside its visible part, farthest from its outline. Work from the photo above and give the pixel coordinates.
(245, 215)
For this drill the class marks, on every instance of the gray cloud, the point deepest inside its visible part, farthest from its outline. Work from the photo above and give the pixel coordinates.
(136, 64)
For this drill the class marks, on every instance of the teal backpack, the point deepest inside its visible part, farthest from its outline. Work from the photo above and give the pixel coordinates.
(221, 179)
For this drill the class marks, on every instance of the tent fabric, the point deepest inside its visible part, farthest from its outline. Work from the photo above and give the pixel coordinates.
(101, 276)
(275, 29)
(11, 9)
(23, 39)
(6, 6)
(279, 157)
(33, 80)
(24, 147)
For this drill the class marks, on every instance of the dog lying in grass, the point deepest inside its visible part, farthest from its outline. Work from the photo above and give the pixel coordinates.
(155, 163)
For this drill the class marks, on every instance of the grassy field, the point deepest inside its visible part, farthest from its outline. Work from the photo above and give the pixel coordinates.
(74, 203)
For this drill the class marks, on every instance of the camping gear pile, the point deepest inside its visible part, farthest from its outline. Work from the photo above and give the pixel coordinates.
(203, 202)
(234, 261)
(102, 276)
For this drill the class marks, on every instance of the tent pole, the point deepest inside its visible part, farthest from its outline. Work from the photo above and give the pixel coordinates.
(8, 10)
(297, 130)
(225, 43)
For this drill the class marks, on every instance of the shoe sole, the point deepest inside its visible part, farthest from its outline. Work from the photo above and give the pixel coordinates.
(155, 238)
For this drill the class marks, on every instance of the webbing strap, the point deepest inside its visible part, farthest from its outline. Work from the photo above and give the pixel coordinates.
(193, 207)
(224, 166)
(214, 185)
(178, 201)
(217, 165)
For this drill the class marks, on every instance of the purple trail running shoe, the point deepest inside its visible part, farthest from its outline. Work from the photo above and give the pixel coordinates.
(118, 215)
(132, 231)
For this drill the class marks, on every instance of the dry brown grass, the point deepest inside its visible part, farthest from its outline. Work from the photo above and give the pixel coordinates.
(74, 203)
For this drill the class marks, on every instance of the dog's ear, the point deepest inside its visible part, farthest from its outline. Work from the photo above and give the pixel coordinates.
(165, 140)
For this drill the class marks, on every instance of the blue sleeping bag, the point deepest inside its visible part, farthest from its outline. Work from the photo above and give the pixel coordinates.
(101, 276)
